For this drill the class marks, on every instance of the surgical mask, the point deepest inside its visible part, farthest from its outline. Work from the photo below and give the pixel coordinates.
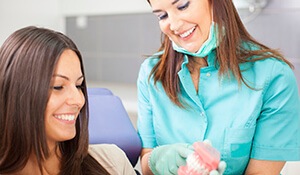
(209, 45)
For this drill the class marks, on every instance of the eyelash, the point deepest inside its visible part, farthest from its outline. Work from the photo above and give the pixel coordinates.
(161, 17)
(57, 88)
(186, 5)
(61, 87)
(183, 7)
(80, 87)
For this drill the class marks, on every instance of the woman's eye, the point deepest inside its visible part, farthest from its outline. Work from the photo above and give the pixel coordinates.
(79, 87)
(57, 87)
(163, 16)
(184, 6)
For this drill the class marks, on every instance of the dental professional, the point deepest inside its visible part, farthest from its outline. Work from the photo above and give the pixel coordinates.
(210, 79)
(43, 110)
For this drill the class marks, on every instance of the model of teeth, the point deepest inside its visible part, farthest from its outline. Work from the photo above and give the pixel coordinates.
(202, 161)
(66, 117)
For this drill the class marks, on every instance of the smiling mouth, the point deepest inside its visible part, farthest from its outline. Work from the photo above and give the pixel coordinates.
(65, 117)
(187, 33)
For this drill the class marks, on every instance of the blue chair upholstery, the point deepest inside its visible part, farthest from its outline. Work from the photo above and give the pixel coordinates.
(110, 123)
(99, 91)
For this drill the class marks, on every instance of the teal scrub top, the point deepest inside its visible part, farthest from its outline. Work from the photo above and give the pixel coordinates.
(241, 123)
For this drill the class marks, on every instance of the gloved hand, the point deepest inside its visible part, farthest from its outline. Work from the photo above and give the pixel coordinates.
(220, 170)
(222, 165)
(166, 159)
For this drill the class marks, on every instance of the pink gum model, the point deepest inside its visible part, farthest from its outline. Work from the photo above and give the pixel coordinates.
(202, 161)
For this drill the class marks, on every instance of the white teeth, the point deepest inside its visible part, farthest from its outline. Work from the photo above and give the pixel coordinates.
(66, 117)
(187, 33)
(194, 163)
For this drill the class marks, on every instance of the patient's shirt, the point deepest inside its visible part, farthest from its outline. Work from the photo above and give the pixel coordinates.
(112, 158)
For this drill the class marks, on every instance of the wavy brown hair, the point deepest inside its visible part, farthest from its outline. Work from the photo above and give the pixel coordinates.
(230, 53)
(27, 62)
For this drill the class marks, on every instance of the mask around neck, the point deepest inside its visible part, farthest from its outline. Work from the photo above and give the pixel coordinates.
(206, 48)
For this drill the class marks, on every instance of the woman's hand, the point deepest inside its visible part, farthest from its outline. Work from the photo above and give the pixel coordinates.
(167, 159)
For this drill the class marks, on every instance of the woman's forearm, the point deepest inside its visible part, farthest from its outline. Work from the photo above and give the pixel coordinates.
(144, 164)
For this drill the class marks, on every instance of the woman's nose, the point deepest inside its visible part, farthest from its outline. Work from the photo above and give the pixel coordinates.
(76, 97)
(175, 23)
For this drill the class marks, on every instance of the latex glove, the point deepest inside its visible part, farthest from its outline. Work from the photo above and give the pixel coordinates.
(220, 170)
(166, 159)
(222, 165)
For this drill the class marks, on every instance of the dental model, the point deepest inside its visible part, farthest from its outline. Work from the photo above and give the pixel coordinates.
(202, 161)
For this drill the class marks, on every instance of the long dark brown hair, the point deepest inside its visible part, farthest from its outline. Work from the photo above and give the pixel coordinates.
(27, 62)
(230, 52)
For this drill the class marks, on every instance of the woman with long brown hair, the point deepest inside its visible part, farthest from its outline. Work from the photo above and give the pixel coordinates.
(43, 110)
(211, 80)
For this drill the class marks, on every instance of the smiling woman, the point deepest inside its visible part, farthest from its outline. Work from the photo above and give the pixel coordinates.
(43, 110)
(66, 99)
(211, 80)
(180, 24)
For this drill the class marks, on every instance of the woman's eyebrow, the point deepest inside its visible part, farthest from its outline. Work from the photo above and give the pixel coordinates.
(61, 76)
(156, 11)
(174, 2)
(81, 77)
(65, 77)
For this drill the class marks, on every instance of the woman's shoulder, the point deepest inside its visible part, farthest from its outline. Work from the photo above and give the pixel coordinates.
(272, 66)
(111, 157)
(152, 60)
(266, 65)
(147, 66)
(105, 149)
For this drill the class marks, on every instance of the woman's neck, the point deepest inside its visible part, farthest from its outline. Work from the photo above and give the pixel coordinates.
(196, 63)
(194, 66)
